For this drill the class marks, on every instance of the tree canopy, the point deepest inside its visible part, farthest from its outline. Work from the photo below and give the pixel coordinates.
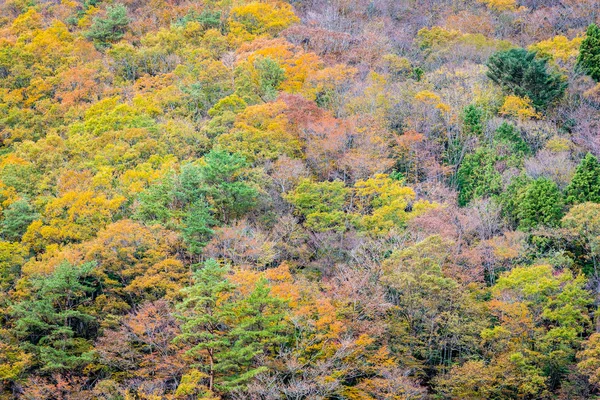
(316, 200)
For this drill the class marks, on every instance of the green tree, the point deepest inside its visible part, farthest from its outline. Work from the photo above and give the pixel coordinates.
(519, 72)
(585, 185)
(435, 319)
(477, 176)
(542, 316)
(472, 118)
(208, 19)
(220, 187)
(259, 328)
(226, 184)
(589, 52)
(17, 217)
(226, 331)
(539, 204)
(507, 376)
(270, 77)
(321, 204)
(204, 318)
(509, 136)
(190, 184)
(111, 28)
(156, 204)
(53, 323)
(509, 198)
(197, 225)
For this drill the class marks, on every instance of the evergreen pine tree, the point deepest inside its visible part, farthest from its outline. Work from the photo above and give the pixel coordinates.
(205, 319)
(509, 136)
(270, 77)
(110, 29)
(155, 203)
(260, 327)
(225, 184)
(519, 72)
(589, 53)
(540, 204)
(53, 324)
(197, 226)
(585, 185)
(227, 332)
(17, 217)
(472, 120)
(509, 198)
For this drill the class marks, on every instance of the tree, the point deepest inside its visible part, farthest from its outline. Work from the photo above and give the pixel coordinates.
(518, 107)
(255, 18)
(477, 176)
(384, 204)
(12, 257)
(589, 53)
(270, 77)
(110, 29)
(156, 202)
(189, 188)
(135, 263)
(519, 72)
(589, 359)
(139, 352)
(435, 318)
(505, 377)
(204, 319)
(585, 185)
(226, 184)
(197, 225)
(583, 222)
(208, 19)
(259, 329)
(17, 217)
(53, 323)
(510, 136)
(539, 204)
(226, 332)
(510, 197)
(262, 132)
(472, 118)
(321, 204)
(13, 360)
(541, 317)
(501, 5)
(75, 216)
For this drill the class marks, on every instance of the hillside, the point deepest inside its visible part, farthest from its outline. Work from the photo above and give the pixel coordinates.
(320, 199)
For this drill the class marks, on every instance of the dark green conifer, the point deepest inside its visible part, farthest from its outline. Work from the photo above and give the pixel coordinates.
(585, 185)
(519, 72)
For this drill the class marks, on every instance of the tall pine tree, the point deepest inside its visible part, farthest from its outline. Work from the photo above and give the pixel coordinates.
(589, 53)
(110, 29)
(53, 324)
(539, 204)
(226, 331)
(196, 229)
(259, 328)
(585, 185)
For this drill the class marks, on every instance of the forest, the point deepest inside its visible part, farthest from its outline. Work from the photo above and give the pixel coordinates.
(299, 200)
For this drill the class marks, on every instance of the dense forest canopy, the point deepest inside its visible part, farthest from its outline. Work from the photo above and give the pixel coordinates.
(303, 199)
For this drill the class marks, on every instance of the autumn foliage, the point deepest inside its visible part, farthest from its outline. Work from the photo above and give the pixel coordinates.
(299, 200)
